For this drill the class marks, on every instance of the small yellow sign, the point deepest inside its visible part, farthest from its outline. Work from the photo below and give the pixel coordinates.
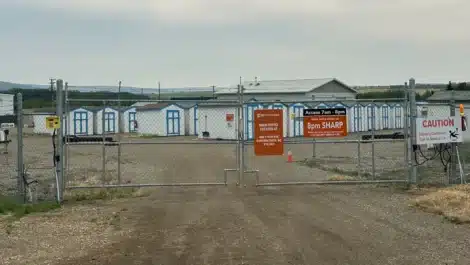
(52, 122)
(292, 116)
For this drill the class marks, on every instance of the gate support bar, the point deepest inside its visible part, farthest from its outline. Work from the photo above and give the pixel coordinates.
(256, 172)
(357, 182)
(226, 173)
(146, 185)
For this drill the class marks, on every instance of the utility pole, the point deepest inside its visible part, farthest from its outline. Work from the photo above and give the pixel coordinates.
(213, 91)
(158, 90)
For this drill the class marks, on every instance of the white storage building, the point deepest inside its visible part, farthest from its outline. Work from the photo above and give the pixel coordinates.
(129, 122)
(217, 120)
(189, 109)
(7, 104)
(81, 121)
(110, 117)
(193, 120)
(326, 89)
(39, 122)
(163, 119)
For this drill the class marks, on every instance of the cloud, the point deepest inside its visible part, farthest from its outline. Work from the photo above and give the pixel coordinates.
(412, 20)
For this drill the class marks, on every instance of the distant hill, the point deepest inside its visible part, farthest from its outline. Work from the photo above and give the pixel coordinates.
(4, 86)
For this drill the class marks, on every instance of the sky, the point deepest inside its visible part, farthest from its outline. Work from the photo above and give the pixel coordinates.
(198, 43)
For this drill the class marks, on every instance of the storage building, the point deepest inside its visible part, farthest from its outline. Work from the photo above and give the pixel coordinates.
(163, 119)
(129, 122)
(106, 119)
(81, 121)
(7, 104)
(217, 120)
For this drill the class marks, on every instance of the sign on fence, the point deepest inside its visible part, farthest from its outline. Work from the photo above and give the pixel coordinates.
(438, 130)
(269, 132)
(325, 122)
(52, 122)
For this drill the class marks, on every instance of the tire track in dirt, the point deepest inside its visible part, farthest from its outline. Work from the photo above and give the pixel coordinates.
(290, 225)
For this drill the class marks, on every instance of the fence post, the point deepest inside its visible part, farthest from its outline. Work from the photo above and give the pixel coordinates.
(119, 134)
(60, 136)
(66, 132)
(453, 160)
(103, 120)
(414, 115)
(406, 129)
(373, 138)
(242, 137)
(239, 124)
(20, 162)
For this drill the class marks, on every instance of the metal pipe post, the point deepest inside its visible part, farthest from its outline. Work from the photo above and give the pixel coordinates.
(414, 116)
(242, 136)
(453, 160)
(359, 166)
(119, 134)
(60, 136)
(20, 162)
(373, 138)
(66, 133)
(406, 129)
(103, 127)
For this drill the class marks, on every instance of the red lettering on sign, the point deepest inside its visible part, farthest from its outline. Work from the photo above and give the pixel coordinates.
(438, 123)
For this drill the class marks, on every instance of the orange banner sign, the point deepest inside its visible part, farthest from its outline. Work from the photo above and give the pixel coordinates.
(325, 123)
(268, 131)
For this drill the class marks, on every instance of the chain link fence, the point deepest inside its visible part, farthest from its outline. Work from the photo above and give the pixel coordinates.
(123, 143)
(150, 143)
(374, 149)
(8, 155)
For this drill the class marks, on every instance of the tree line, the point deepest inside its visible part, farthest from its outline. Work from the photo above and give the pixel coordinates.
(457, 86)
(45, 98)
(392, 94)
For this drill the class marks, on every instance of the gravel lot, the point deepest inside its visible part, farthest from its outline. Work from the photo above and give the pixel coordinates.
(229, 225)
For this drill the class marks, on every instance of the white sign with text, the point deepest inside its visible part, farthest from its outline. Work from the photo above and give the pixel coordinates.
(438, 130)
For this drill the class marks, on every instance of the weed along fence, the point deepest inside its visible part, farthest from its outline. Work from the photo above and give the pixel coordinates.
(110, 143)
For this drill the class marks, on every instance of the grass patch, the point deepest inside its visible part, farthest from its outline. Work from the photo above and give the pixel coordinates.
(9, 206)
(322, 164)
(341, 178)
(453, 203)
(103, 194)
(149, 136)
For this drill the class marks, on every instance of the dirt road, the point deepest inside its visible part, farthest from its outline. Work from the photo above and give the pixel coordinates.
(294, 225)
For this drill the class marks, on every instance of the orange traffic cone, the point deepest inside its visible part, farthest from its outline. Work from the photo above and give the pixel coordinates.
(289, 157)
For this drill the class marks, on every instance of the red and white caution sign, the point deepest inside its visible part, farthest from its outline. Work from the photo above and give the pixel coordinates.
(438, 130)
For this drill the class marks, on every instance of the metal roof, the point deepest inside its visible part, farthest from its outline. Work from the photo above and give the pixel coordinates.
(156, 106)
(282, 86)
(217, 104)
